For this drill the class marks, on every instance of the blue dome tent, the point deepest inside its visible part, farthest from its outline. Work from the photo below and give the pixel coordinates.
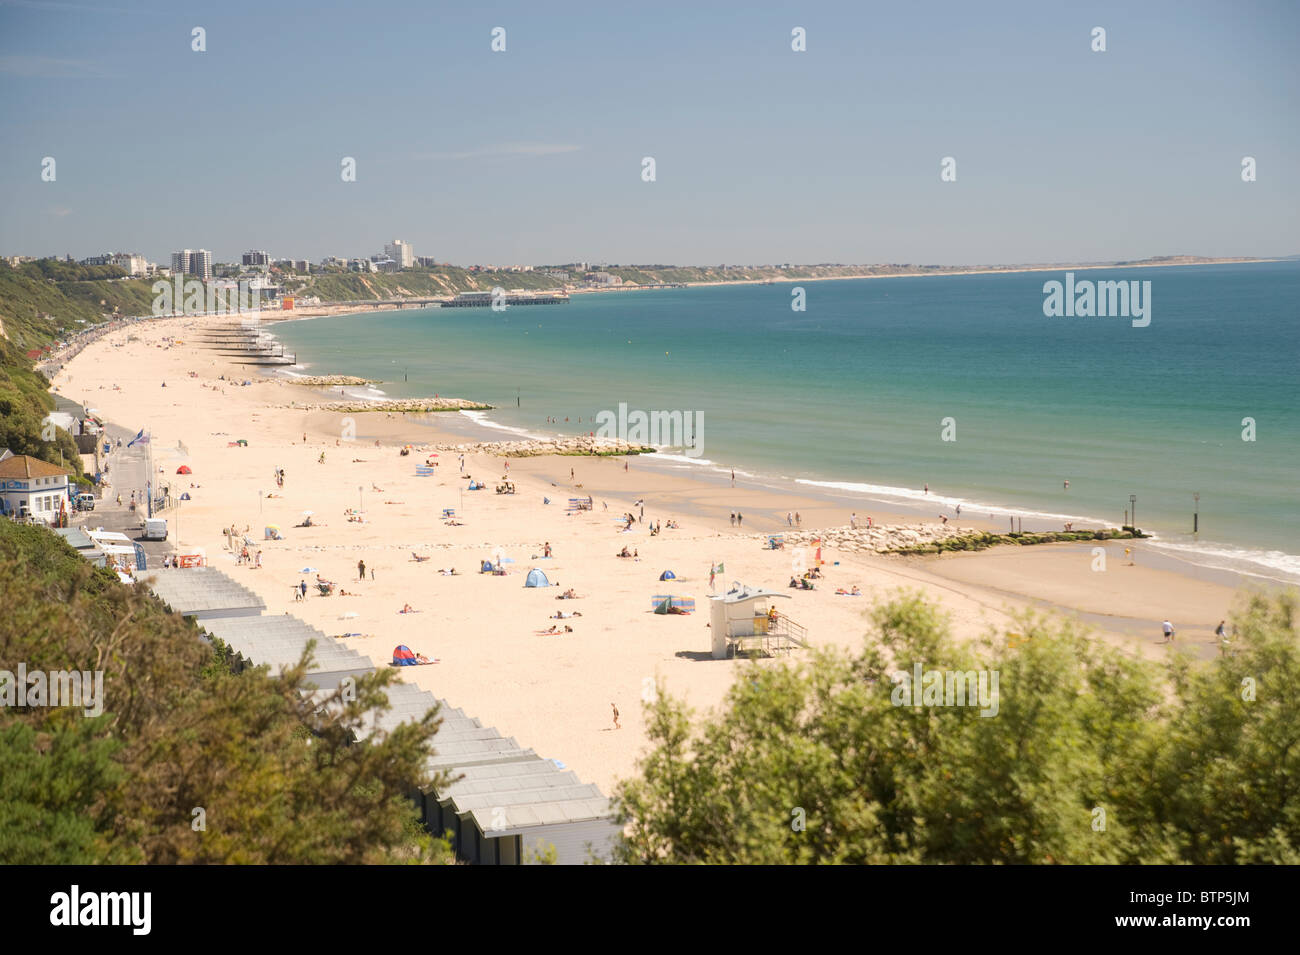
(536, 579)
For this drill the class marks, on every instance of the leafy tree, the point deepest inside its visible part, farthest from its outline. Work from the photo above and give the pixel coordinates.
(278, 777)
(1092, 756)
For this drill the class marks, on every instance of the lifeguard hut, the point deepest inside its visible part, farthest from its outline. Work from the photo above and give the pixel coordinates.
(745, 619)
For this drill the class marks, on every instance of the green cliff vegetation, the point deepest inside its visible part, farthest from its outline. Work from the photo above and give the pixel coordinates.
(24, 402)
(418, 282)
(1093, 756)
(46, 300)
(189, 762)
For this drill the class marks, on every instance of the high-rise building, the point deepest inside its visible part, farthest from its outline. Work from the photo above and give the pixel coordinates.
(401, 253)
(257, 257)
(195, 262)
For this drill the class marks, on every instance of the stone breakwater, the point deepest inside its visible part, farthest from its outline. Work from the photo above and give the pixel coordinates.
(318, 380)
(411, 405)
(881, 539)
(579, 444)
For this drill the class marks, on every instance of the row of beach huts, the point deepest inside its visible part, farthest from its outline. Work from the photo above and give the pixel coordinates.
(507, 804)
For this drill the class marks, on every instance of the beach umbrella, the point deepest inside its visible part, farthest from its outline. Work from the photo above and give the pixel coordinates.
(307, 570)
(185, 496)
(184, 469)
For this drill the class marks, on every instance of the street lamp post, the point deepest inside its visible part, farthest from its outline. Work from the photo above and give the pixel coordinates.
(1133, 512)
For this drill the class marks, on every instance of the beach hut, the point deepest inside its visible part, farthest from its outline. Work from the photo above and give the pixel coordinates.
(403, 657)
(184, 469)
(536, 579)
(667, 575)
(743, 619)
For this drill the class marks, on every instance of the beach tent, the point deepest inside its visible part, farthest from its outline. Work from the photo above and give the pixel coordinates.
(403, 657)
(536, 579)
(667, 575)
(487, 567)
(184, 469)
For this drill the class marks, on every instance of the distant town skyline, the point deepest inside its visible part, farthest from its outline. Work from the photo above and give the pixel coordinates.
(947, 135)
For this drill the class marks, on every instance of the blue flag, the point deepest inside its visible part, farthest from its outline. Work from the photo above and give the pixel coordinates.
(140, 438)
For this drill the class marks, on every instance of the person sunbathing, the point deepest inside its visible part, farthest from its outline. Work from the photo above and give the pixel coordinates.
(561, 615)
(407, 608)
(552, 629)
(449, 572)
(624, 553)
(417, 558)
(422, 660)
(568, 595)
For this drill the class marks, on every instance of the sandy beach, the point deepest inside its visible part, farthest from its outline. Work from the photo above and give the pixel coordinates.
(552, 692)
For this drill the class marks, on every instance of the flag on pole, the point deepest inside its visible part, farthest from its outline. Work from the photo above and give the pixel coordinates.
(140, 438)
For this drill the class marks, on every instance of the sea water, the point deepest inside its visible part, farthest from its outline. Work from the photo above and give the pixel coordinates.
(879, 387)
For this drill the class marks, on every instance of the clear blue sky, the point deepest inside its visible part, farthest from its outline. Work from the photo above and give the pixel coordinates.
(763, 154)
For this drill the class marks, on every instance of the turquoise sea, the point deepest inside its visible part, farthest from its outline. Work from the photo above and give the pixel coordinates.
(849, 396)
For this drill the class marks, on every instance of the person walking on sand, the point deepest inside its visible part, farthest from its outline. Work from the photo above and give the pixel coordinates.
(1169, 631)
(733, 477)
(798, 521)
(733, 518)
(571, 474)
(740, 519)
(789, 519)
(853, 521)
(616, 724)
(361, 570)
(302, 585)
(1222, 633)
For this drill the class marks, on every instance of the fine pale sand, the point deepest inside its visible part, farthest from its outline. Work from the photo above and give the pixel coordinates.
(552, 693)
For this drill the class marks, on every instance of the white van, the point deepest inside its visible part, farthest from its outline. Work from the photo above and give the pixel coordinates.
(155, 529)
